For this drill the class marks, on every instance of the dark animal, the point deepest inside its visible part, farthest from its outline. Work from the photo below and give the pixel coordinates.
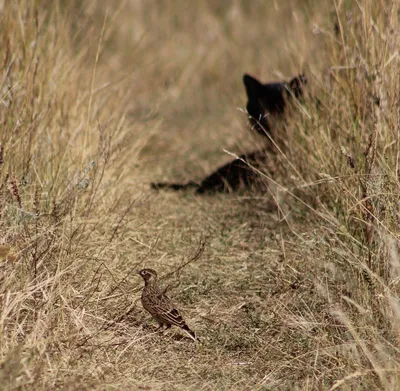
(264, 100)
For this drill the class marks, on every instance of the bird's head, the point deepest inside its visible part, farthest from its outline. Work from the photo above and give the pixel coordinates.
(148, 275)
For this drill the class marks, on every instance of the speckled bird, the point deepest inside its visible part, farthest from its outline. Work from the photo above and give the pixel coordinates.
(159, 305)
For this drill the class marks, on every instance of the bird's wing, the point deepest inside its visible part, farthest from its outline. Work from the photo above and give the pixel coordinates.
(162, 308)
(167, 311)
(171, 315)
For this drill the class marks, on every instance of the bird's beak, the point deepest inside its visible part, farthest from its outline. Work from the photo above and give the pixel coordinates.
(138, 272)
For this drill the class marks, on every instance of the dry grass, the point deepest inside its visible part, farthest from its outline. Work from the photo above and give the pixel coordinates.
(296, 288)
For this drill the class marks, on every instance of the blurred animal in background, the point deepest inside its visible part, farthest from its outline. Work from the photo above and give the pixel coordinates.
(265, 101)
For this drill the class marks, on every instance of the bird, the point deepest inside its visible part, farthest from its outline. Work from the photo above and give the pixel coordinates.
(159, 305)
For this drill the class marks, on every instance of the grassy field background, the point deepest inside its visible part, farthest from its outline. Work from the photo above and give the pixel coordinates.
(293, 288)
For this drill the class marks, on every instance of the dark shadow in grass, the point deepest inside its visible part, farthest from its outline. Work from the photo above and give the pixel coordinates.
(228, 178)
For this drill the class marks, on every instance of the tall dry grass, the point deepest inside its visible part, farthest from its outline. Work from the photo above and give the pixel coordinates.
(344, 155)
(99, 99)
(60, 135)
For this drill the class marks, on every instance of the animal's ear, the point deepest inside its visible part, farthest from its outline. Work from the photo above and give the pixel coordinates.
(298, 80)
(252, 85)
(297, 83)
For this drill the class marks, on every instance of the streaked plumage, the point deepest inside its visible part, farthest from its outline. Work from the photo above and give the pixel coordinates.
(159, 305)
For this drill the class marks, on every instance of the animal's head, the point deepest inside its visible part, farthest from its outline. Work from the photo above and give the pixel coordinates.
(269, 99)
(257, 107)
(148, 275)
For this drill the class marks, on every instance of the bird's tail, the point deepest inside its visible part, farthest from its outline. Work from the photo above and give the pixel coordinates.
(191, 333)
(174, 186)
